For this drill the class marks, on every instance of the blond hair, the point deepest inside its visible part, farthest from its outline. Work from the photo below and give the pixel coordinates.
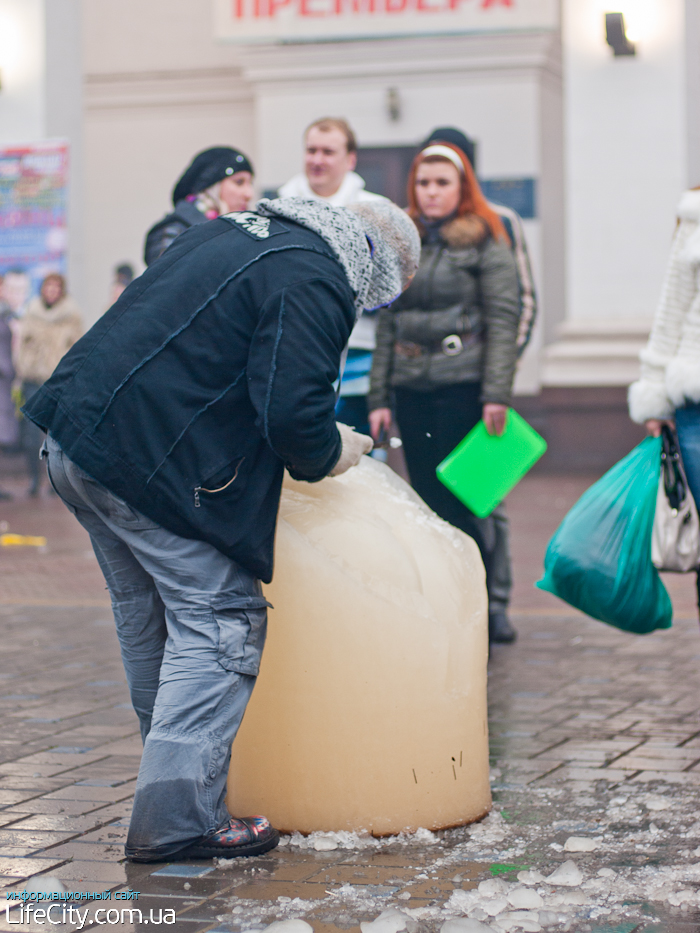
(326, 124)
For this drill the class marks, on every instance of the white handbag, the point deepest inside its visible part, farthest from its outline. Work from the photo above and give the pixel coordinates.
(675, 540)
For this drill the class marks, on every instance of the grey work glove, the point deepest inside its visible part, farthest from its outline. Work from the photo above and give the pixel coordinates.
(354, 446)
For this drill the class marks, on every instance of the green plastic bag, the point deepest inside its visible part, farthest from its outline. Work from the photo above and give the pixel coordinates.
(599, 560)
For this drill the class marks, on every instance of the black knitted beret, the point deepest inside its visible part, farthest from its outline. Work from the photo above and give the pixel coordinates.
(207, 168)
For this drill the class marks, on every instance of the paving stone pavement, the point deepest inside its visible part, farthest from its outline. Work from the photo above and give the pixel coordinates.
(595, 743)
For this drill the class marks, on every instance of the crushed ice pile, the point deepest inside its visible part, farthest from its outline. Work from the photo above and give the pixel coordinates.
(326, 842)
(573, 889)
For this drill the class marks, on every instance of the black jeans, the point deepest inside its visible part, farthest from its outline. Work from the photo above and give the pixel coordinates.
(431, 425)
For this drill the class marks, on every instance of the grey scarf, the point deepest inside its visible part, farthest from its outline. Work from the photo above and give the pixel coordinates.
(376, 243)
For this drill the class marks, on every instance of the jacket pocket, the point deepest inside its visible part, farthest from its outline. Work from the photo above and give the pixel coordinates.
(241, 639)
(219, 483)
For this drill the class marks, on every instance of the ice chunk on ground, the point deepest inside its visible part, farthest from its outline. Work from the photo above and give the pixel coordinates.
(388, 921)
(567, 874)
(494, 905)
(656, 802)
(462, 900)
(289, 926)
(525, 920)
(492, 887)
(682, 897)
(425, 837)
(465, 925)
(524, 899)
(575, 898)
(606, 873)
(580, 844)
(530, 877)
(44, 884)
(325, 844)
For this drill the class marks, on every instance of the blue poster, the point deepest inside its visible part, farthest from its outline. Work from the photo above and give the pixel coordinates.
(33, 221)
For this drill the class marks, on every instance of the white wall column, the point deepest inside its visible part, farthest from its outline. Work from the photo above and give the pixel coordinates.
(63, 119)
(41, 94)
(22, 70)
(626, 166)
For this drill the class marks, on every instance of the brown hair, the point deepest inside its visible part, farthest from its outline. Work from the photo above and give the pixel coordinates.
(58, 278)
(472, 200)
(325, 124)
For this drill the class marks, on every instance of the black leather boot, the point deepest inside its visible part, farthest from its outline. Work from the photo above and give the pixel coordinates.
(500, 629)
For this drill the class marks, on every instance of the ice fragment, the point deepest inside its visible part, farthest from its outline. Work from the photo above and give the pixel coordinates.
(388, 921)
(465, 925)
(655, 802)
(681, 897)
(580, 844)
(462, 900)
(575, 898)
(492, 887)
(494, 905)
(520, 920)
(567, 875)
(530, 877)
(44, 884)
(524, 899)
(289, 926)
(325, 844)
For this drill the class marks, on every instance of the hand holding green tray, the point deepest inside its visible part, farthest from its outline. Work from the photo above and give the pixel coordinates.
(483, 468)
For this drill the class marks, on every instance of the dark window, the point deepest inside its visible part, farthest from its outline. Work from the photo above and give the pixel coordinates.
(385, 170)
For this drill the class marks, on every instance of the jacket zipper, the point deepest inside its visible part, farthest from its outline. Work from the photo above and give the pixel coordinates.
(198, 489)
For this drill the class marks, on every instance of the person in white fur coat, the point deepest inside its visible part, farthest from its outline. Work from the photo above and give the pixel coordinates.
(668, 390)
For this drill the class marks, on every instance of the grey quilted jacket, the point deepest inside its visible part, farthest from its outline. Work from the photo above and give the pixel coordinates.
(466, 287)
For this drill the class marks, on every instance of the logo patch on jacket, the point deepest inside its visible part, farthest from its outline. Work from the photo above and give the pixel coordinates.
(260, 228)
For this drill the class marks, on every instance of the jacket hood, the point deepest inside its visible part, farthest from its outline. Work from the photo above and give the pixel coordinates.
(63, 310)
(376, 243)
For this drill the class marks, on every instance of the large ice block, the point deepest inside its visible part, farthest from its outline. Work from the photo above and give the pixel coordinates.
(370, 708)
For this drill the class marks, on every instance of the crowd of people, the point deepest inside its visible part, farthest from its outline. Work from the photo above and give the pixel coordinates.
(171, 423)
(445, 352)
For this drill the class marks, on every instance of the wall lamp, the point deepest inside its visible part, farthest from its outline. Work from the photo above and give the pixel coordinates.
(616, 35)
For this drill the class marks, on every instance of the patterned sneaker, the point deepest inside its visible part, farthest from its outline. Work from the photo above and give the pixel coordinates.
(250, 835)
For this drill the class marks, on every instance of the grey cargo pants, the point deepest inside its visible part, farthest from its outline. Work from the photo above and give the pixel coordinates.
(191, 625)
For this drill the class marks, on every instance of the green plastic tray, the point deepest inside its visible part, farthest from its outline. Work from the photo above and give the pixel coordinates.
(483, 468)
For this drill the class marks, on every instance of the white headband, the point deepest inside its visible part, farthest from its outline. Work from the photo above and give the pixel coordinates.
(446, 153)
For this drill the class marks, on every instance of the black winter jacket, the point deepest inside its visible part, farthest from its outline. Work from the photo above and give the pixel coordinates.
(167, 230)
(212, 372)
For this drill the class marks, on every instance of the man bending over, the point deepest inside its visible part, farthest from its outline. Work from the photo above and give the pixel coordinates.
(170, 424)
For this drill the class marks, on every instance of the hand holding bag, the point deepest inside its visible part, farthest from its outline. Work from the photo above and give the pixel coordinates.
(675, 540)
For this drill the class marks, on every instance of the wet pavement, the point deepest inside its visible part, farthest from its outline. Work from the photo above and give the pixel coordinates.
(595, 740)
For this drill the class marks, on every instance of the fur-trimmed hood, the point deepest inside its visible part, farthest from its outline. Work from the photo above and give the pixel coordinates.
(460, 232)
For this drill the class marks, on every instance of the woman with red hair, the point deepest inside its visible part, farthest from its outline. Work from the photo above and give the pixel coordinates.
(447, 348)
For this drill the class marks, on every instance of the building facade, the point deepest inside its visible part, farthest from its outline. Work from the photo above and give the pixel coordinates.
(601, 145)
